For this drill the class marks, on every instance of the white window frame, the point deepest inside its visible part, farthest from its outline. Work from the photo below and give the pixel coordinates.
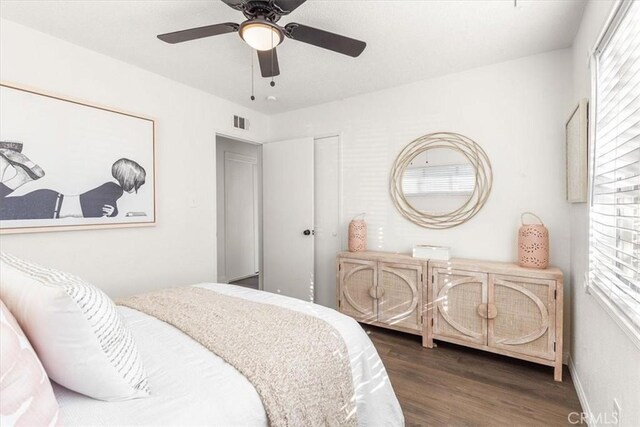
(615, 307)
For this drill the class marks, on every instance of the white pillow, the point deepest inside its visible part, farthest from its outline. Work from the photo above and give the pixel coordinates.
(75, 329)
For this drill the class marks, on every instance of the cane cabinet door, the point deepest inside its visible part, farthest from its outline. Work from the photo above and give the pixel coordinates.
(524, 312)
(400, 295)
(358, 281)
(459, 298)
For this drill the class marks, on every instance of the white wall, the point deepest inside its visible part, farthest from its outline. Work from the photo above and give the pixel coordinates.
(515, 110)
(606, 364)
(224, 145)
(181, 248)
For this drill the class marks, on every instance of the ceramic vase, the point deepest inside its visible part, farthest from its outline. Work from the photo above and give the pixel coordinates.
(533, 244)
(357, 235)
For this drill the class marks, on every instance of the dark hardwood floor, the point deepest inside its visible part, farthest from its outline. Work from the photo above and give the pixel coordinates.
(456, 386)
(248, 282)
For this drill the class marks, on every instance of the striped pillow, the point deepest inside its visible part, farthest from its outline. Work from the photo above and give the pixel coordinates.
(75, 329)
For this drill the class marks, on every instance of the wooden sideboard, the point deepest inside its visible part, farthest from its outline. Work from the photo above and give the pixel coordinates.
(382, 289)
(493, 306)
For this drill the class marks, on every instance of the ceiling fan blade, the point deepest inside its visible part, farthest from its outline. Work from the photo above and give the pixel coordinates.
(235, 4)
(199, 32)
(288, 6)
(325, 39)
(268, 60)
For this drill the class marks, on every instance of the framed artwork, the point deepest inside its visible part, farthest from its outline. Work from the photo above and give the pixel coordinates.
(67, 165)
(576, 131)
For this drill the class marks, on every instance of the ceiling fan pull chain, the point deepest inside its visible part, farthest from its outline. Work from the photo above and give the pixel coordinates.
(272, 55)
(253, 98)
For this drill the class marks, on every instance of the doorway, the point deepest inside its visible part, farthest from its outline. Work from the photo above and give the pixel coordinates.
(238, 176)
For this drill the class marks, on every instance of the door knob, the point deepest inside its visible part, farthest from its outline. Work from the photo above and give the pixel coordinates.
(483, 310)
(306, 232)
(488, 311)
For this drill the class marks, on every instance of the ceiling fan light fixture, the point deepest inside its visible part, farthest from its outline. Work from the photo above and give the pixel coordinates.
(260, 34)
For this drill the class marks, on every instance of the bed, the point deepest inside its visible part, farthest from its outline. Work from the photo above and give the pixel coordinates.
(192, 386)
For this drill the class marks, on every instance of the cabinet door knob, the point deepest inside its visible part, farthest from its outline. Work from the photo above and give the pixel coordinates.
(376, 292)
(492, 311)
(487, 311)
(482, 310)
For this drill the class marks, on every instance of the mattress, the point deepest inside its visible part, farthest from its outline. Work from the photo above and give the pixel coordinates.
(190, 386)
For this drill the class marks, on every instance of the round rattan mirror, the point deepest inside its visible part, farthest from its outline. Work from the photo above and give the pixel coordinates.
(440, 180)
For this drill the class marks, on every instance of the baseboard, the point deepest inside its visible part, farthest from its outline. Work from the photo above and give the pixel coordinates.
(582, 397)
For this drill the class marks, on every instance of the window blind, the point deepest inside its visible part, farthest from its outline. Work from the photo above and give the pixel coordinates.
(439, 180)
(615, 187)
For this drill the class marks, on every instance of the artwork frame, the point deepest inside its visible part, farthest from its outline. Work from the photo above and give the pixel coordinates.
(122, 156)
(577, 155)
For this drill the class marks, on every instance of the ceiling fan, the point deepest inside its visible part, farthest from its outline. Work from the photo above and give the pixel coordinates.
(261, 32)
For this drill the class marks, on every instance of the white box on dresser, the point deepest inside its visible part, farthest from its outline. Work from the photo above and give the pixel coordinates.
(442, 253)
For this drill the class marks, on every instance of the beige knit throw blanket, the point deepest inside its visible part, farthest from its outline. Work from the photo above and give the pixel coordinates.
(298, 363)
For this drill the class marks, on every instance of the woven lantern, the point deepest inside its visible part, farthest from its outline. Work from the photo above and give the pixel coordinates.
(533, 244)
(358, 234)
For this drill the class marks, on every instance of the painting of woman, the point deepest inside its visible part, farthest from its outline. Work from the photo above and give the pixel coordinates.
(16, 170)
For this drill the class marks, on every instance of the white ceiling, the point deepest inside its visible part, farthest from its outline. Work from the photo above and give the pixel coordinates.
(406, 41)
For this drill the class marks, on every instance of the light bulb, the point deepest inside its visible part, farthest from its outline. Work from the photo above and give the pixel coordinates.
(260, 35)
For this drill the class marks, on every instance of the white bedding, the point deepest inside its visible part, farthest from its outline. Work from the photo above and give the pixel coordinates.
(191, 386)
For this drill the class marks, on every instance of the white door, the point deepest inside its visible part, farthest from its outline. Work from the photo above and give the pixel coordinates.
(241, 215)
(327, 218)
(287, 180)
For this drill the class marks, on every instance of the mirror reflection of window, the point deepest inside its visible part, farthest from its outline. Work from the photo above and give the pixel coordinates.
(438, 180)
(445, 180)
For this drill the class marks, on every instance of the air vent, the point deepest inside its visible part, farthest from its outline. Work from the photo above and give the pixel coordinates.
(240, 122)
